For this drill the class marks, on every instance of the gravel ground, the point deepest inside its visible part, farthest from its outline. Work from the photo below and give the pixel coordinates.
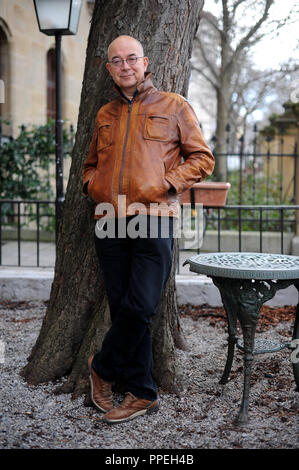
(32, 417)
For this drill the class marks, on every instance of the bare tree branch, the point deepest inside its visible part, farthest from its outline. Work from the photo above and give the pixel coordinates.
(236, 5)
(212, 21)
(203, 74)
(226, 20)
(206, 60)
(245, 41)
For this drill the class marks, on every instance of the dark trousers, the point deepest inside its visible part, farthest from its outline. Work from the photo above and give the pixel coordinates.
(135, 272)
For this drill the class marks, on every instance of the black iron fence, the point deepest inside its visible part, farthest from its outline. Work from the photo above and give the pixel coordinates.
(262, 171)
(23, 222)
(30, 225)
(228, 227)
(262, 175)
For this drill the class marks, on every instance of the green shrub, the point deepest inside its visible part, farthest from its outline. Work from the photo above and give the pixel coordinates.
(25, 171)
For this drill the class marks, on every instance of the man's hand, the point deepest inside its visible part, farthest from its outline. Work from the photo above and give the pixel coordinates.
(170, 189)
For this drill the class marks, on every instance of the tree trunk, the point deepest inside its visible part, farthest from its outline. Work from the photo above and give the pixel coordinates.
(220, 150)
(223, 101)
(77, 316)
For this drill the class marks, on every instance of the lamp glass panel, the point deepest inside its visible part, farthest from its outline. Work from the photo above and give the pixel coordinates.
(75, 15)
(53, 14)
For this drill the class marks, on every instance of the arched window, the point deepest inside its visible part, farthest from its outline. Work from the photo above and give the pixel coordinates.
(3, 67)
(51, 84)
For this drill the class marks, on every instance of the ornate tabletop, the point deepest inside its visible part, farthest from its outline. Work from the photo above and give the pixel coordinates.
(246, 265)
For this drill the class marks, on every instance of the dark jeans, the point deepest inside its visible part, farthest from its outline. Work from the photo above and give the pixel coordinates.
(135, 272)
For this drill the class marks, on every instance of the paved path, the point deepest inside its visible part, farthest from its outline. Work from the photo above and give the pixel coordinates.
(28, 256)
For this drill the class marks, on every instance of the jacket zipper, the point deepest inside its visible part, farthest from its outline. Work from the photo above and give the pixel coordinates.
(123, 156)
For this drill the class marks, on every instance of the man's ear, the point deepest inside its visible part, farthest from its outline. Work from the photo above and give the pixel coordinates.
(145, 62)
(108, 67)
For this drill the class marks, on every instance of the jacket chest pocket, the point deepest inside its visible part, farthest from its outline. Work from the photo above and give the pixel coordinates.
(104, 135)
(157, 127)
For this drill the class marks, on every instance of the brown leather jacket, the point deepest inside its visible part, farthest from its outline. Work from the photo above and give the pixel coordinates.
(138, 145)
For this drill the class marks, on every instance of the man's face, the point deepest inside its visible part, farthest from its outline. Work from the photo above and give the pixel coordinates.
(124, 75)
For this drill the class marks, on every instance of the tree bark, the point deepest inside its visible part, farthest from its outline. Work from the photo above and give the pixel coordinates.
(77, 315)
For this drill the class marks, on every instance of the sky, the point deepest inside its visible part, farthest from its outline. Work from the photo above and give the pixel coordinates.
(271, 51)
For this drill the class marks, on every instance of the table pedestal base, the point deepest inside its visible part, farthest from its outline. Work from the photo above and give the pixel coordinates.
(242, 300)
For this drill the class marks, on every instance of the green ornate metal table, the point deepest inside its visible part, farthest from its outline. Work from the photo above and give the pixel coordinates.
(246, 281)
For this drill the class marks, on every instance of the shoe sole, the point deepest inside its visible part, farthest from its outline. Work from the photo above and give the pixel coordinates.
(91, 396)
(134, 415)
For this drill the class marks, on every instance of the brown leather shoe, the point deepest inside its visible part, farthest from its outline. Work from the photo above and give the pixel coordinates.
(130, 408)
(101, 394)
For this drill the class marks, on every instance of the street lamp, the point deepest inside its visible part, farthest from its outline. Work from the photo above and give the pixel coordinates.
(58, 18)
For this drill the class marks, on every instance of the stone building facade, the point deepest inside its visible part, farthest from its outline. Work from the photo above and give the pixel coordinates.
(27, 67)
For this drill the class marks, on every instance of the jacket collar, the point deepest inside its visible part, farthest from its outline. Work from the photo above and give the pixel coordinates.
(143, 88)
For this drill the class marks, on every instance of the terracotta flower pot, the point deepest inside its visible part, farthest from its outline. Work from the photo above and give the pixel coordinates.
(207, 193)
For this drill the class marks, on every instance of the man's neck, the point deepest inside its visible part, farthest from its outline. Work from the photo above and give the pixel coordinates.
(129, 94)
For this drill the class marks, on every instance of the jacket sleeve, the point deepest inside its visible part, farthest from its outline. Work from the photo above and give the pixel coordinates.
(90, 164)
(199, 161)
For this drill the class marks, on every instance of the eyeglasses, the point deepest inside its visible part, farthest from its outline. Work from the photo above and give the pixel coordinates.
(130, 61)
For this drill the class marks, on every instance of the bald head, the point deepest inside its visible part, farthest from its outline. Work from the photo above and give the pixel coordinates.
(122, 41)
(126, 63)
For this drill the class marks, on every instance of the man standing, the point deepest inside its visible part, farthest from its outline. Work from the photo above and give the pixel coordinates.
(146, 149)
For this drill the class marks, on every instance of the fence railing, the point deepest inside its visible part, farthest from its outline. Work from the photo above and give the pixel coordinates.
(38, 217)
(263, 172)
(259, 220)
(278, 219)
(16, 216)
